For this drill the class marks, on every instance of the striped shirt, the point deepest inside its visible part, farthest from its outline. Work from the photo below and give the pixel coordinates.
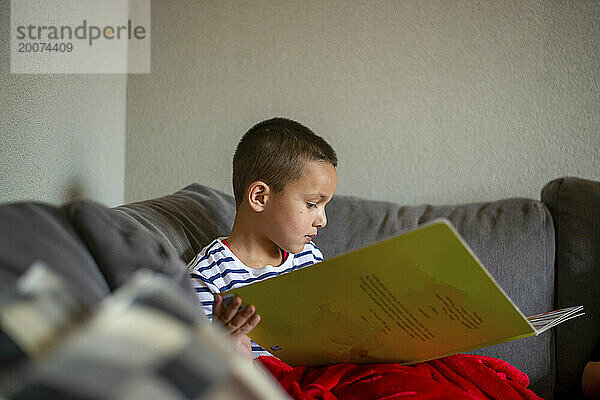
(216, 269)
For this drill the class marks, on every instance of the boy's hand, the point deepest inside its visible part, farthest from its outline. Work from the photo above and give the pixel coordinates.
(237, 323)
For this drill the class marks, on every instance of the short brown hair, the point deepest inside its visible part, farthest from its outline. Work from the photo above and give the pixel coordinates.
(274, 151)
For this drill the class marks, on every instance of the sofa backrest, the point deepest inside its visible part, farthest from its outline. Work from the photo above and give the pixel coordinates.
(513, 238)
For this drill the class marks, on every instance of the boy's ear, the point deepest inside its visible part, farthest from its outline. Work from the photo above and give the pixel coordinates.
(258, 195)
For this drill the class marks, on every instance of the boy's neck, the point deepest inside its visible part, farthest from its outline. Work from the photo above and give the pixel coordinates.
(251, 248)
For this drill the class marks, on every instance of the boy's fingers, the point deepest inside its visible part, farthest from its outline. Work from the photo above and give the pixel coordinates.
(240, 318)
(249, 325)
(231, 311)
(217, 306)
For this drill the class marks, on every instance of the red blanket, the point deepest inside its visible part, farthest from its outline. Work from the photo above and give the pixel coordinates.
(461, 376)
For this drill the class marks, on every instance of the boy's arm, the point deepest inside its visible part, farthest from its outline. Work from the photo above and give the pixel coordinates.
(205, 296)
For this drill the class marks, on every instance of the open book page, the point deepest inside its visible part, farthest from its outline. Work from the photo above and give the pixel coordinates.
(414, 297)
(544, 321)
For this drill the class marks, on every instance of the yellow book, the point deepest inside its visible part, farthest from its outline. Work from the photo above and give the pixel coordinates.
(414, 297)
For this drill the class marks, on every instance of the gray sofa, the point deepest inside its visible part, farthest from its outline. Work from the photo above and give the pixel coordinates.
(545, 254)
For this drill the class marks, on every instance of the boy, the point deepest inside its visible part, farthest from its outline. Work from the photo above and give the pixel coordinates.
(283, 176)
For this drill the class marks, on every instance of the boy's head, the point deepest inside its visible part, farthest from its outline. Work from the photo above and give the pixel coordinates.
(285, 175)
(275, 151)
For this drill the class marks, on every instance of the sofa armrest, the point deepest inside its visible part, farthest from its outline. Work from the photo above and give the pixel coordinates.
(575, 207)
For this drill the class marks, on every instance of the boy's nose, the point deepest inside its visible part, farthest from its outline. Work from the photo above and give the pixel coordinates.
(321, 220)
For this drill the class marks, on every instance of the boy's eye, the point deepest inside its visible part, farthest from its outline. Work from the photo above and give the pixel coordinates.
(310, 205)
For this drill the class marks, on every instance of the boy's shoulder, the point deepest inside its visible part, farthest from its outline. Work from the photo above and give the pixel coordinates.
(214, 252)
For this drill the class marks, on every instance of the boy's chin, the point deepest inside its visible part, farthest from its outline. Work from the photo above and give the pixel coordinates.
(295, 249)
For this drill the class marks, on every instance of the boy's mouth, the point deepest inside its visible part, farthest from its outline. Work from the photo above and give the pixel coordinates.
(309, 237)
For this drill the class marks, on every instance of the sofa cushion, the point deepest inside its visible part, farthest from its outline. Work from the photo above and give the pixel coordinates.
(32, 231)
(120, 246)
(187, 220)
(575, 207)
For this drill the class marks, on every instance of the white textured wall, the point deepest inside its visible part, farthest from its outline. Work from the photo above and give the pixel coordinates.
(424, 101)
(62, 137)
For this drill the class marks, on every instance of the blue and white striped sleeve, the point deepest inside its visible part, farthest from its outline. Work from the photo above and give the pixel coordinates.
(204, 289)
(204, 293)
